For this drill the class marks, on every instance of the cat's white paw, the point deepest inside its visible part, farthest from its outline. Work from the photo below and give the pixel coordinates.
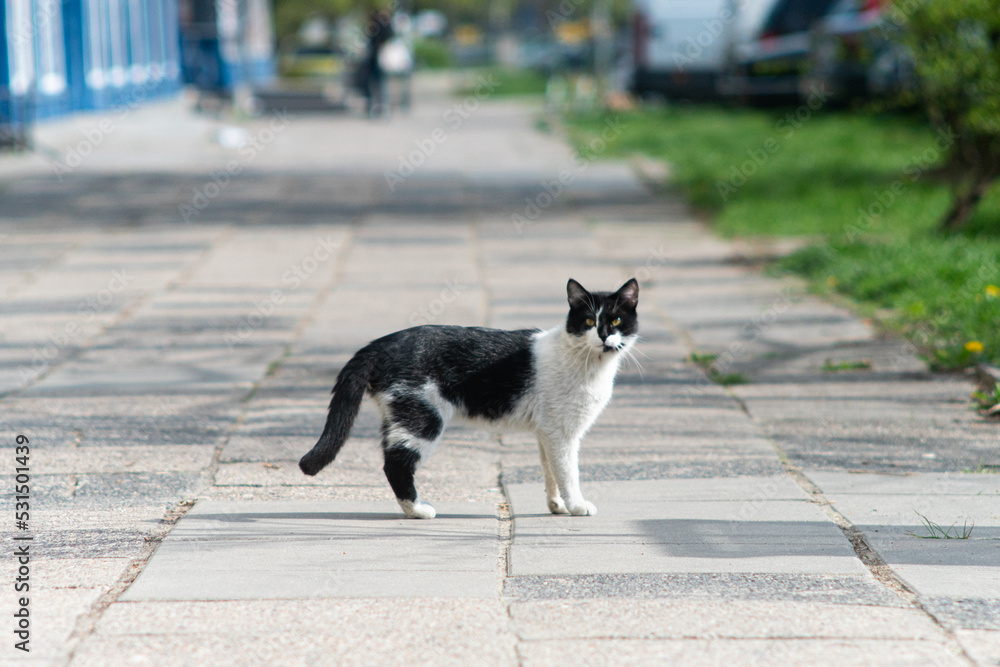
(557, 506)
(582, 508)
(418, 509)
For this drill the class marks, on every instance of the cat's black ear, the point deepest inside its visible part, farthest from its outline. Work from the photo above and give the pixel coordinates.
(578, 297)
(628, 294)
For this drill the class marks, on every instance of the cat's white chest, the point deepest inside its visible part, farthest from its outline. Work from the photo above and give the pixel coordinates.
(570, 391)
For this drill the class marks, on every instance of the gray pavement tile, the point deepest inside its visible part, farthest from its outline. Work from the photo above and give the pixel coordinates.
(71, 573)
(457, 643)
(633, 470)
(142, 458)
(983, 646)
(681, 619)
(306, 616)
(887, 444)
(965, 485)
(752, 653)
(859, 589)
(760, 525)
(281, 550)
(888, 509)
(98, 542)
(126, 487)
(965, 613)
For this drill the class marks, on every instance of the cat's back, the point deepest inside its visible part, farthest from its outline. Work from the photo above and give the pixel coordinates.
(449, 353)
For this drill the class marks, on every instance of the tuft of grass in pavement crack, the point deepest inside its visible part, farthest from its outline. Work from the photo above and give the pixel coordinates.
(936, 532)
(983, 468)
(830, 366)
(706, 361)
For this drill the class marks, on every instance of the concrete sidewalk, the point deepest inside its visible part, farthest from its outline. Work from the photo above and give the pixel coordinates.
(174, 313)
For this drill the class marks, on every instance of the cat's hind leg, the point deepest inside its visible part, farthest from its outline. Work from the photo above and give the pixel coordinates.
(400, 464)
(411, 428)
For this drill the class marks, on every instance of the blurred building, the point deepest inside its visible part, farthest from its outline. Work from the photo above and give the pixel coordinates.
(63, 56)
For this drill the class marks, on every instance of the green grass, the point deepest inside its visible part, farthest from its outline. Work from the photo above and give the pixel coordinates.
(936, 532)
(703, 359)
(431, 53)
(508, 82)
(987, 401)
(863, 184)
(831, 366)
(706, 360)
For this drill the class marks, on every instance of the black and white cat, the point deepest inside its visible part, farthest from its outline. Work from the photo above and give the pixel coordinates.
(553, 383)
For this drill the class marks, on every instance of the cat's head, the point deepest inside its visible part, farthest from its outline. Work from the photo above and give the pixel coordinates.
(606, 321)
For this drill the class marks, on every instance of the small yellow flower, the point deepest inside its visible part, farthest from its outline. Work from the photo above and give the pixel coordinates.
(992, 291)
(831, 281)
(974, 346)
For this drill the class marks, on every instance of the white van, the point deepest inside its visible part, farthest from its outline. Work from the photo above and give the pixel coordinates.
(679, 46)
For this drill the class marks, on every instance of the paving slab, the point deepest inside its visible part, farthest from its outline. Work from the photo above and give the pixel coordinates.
(328, 631)
(762, 525)
(712, 587)
(983, 646)
(958, 579)
(287, 550)
(755, 652)
(680, 619)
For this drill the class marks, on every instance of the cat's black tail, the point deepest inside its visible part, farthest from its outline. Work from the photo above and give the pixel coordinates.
(347, 394)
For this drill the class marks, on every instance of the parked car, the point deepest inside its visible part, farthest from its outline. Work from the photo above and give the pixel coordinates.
(768, 51)
(678, 47)
(853, 56)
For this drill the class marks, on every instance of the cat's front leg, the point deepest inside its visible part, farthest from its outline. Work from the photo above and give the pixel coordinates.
(552, 495)
(563, 458)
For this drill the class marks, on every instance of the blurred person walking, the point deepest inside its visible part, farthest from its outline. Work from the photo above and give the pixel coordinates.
(396, 61)
(379, 30)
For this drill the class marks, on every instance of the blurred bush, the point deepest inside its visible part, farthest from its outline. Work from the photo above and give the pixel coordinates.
(956, 48)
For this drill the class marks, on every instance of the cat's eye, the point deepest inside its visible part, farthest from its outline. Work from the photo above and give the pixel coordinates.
(615, 322)
(590, 322)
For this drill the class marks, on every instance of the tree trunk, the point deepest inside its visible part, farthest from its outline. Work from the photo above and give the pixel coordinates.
(964, 203)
